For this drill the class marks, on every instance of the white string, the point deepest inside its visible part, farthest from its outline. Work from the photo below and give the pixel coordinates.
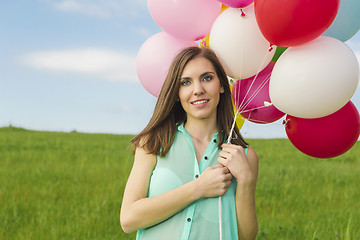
(252, 109)
(220, 222)
(259, 88)
(238, 109)
(252, 82)
(234, 122)
(238, 112)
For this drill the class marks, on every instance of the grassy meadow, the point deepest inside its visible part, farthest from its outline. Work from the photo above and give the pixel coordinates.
(70, 185)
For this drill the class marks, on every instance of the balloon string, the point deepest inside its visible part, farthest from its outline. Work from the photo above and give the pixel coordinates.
(252, 82)
(232, 127)
(241, 107)
(237, 95)
(220, 221)
(259, 121)
(236, 114)
(254, 95)
(258, 89)
(252, 109)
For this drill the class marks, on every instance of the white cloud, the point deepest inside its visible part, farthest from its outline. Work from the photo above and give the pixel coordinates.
(106, 64)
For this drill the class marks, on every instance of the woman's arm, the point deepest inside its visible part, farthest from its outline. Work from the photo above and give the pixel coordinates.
(245, 169)
(139, 211)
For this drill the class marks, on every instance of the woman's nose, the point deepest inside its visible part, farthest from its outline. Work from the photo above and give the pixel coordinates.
(198, 88)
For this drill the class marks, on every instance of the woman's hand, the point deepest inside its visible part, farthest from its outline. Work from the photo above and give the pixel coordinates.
(214, 181)
(233, 157)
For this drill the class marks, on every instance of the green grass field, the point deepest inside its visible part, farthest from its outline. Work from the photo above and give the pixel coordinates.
(70, 185)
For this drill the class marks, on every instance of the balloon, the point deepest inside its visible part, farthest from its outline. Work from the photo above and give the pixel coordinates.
(205, 41)
(278, 52)
(236, 3)
(325, 137)
(347, 21)
(294, 22)
(239, 119)
(239, 44)
(185, 19)
(251, 97)
(154, 59)
(314, 79)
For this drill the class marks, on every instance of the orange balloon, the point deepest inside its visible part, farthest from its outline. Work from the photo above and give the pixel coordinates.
(223, 8)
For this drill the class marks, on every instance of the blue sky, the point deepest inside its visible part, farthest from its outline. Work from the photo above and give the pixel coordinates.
(70, 65)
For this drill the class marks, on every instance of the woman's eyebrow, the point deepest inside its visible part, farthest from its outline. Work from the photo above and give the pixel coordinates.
(201, 76)
(185, 78)
(206, 73)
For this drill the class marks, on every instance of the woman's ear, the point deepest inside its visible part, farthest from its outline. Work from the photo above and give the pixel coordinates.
(222, 89)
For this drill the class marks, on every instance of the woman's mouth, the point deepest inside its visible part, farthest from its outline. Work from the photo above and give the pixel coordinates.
(200, 102)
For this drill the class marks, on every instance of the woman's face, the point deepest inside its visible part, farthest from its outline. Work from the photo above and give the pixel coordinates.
(200, 89)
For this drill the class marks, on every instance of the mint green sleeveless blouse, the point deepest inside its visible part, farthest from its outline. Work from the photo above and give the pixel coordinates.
(199, 220)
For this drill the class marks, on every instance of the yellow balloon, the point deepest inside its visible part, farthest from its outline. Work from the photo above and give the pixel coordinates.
(239, 119)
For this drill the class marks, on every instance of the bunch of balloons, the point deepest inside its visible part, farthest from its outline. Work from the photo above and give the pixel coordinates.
(283, 56)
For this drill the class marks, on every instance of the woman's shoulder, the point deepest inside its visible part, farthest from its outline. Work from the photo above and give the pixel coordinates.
(141, 151)
(144, 157)
(251, 153)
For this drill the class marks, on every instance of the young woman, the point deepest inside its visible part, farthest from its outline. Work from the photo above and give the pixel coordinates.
(182, 163)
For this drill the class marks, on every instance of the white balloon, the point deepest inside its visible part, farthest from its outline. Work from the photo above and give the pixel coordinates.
(238, 43)
(314, 79)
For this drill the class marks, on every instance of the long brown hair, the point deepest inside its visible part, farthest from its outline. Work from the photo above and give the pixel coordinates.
(158, 136)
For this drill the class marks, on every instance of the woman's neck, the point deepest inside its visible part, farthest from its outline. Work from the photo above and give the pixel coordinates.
(201, 130)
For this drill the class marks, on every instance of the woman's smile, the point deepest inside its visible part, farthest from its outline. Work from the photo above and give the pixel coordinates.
(200, 103)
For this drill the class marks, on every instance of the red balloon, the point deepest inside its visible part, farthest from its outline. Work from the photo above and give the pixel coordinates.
(293, 22)
(251, 96)
(325, 137)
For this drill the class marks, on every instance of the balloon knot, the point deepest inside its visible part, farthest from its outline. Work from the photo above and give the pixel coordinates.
(267, 104)
(271, 47)
(232, 81)
(285, 122)
(242, 13)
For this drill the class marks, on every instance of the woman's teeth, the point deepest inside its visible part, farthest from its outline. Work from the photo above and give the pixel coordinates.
(200, 102)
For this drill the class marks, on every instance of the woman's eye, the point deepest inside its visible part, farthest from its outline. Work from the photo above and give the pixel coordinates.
(207, 78)
(185, 83)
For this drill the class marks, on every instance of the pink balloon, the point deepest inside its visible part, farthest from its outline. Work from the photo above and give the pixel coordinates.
(154, 59)
(186, 19)
(328, 136)
(252, 97)
(236, 3)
